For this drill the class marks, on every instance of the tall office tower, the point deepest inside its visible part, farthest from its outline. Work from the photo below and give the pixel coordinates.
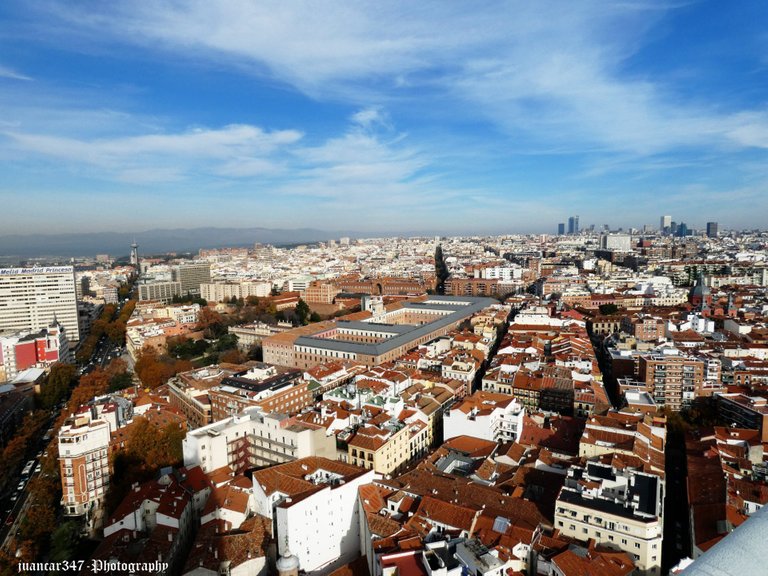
(573, 225)
(191, 275)
(135, 256)
(712, 229)
(665, 224)
(32, 298)
(682, 230)
(561, 229)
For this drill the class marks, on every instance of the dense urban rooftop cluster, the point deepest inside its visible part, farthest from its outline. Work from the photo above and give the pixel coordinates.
(581, 403)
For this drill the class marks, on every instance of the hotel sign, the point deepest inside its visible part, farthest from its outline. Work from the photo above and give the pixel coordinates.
(36, 270)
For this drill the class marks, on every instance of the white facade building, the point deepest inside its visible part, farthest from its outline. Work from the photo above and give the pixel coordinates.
(219, 291)
(487, 415)
(32, 298)
(314, 504)
(254, 439)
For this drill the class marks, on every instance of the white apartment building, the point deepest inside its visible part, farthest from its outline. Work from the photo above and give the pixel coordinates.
(253, 439)
(313, 502)
(32, 298)
(620, 508)
(219, 291)
(83, 462)
(487, 415)
(507, 273)
(186, 314)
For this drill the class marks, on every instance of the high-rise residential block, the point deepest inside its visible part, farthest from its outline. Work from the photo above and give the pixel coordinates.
(162, 291)
(673, 381)
(191, 276)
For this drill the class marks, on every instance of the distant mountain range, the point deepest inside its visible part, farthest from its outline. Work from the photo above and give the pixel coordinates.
(155, 241)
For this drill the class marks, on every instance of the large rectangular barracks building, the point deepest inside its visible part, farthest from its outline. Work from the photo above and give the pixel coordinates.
(32, 298)
(374, 336)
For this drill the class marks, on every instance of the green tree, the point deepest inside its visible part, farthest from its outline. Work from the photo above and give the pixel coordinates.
(302, 312)
(441, 270)
(314, 317)
(64, 541)
(226, 342)
(56, 387)
(120, 382)
(256, 353)
(608, 309)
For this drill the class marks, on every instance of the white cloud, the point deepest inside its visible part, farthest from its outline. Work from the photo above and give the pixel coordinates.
(553, 71)
(138, 158)
(362, 161)
(6, 72)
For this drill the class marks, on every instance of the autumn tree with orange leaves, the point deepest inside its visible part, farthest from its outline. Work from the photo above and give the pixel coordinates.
(148, 449)
(154, 369)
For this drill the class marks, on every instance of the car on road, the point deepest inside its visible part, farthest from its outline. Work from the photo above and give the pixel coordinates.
(21, 485)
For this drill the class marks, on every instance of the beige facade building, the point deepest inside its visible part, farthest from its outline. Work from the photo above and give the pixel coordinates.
(383, 450)
(191, 275)
(375, 336)
(162, 291)
(673, 380)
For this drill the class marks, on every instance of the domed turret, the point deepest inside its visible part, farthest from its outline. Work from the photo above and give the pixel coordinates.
(700, 295)
(288, 564)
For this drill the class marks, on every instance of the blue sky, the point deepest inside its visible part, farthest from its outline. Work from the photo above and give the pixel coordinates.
(452, 117)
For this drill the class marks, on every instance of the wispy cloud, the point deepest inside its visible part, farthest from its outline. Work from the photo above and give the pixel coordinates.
(11, 74)
(503, 110)
(368, 160)
(554, 72)
(142, 154)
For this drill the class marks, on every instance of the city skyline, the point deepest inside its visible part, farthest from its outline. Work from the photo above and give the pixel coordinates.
(391, 117)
